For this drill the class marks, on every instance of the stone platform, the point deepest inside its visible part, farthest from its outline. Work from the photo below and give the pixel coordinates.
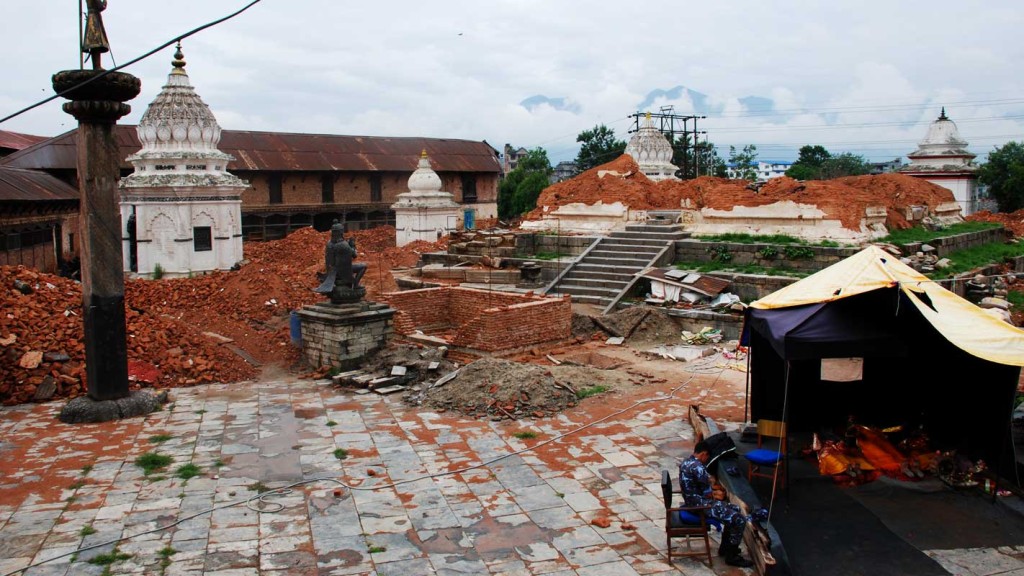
(342, 335)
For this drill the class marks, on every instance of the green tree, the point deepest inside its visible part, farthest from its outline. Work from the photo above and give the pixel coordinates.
(803, 172)
(705, 154)
(808, 164)
(845, 164)
(744, 163)
(813, 156)
(518, 191)
(598, 147)
(1004, 176)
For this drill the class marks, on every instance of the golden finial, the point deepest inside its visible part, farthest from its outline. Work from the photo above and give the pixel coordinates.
(424, 153)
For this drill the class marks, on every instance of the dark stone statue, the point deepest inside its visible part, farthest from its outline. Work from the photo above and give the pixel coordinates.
(343, 276)
(95, 41)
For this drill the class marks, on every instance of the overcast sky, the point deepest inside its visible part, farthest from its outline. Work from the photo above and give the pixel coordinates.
(866, 77)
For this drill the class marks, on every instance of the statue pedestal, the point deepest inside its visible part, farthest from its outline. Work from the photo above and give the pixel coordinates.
(342, 335)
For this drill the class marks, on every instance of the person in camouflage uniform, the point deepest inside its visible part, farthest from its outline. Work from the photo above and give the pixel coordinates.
(696, 486)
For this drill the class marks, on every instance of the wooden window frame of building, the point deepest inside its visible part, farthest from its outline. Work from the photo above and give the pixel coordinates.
(275, 188)
(202, 238)
(376, 187)
(469, 195)
(327, 188)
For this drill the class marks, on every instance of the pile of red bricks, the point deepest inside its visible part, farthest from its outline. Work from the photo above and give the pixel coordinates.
(169, 321)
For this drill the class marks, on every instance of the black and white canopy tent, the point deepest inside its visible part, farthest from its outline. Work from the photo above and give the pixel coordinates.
(873, 338)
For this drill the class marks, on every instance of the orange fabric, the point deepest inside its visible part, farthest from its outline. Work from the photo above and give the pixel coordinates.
(878, 450)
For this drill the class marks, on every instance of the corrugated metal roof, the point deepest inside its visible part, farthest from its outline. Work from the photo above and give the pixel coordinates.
(17, 185)
(17, 140)
(257, 151)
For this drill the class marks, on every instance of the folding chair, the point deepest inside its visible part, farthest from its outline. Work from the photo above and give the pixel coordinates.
(684, 522)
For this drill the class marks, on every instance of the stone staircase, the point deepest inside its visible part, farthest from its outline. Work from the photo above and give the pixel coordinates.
(608, 268)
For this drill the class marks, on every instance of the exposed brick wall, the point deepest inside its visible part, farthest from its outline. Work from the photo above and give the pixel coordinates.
(518, 325)
(481, 319)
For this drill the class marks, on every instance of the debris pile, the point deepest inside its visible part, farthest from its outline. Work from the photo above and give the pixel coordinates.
(44, 354)
(502, 389)
(217, 327)
(843, 199)
(1012, 221)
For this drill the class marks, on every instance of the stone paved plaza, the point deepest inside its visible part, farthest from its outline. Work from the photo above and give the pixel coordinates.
(420, 503)
(524, 512)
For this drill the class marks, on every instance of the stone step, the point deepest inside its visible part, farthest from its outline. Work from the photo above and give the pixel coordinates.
(628, 254)
(577, 290)
(622, 260)
(601, 274)
(591, 282)
(586, 299)
(591, 267)
(649, 227)
(652, 246)
(662, 236)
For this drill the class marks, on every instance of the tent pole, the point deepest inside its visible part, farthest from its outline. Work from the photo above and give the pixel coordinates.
(746, 399)
(1008, 435)
(785, 439)
(785, 425)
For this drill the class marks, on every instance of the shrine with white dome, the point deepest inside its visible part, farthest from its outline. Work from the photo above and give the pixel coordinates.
(942, 158)
(180, 207)
(425, 212)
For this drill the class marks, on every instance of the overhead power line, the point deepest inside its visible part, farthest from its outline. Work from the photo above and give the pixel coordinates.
(133, 61)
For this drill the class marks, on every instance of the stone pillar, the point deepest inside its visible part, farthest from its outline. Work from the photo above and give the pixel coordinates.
(97, 106)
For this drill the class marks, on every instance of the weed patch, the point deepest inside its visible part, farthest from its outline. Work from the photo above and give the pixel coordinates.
(187, 471)
(151, 462)
(591, 391)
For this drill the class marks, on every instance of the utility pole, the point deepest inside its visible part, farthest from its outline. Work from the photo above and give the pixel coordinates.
(97, 99)
(670, 124)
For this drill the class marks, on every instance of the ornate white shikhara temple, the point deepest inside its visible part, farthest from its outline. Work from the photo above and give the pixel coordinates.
(180, 208)
(942, 158)
(652, 152)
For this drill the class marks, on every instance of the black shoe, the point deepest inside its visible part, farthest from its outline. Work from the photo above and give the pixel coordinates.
(739, 561)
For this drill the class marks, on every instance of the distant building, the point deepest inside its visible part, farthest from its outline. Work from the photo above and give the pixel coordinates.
(942, 158)
(885, 167)
(765, 170)
(510, 158)
(38, 219)
(298, 180)
(563, 171)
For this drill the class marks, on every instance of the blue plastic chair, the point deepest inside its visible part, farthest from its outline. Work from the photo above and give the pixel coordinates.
(765, 462)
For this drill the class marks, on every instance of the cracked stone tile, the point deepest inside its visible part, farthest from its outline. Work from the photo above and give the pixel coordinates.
(556, 518)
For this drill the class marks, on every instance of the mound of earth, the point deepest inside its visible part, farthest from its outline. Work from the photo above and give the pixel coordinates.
(1012, 221)
(843, 199)
(503, 389)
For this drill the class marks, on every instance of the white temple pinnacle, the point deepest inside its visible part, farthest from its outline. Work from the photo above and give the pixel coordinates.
(179, 137)
(652, 151)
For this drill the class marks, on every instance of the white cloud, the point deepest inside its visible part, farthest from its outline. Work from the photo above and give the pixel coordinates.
(865, 77)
